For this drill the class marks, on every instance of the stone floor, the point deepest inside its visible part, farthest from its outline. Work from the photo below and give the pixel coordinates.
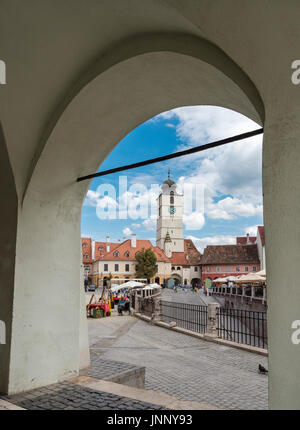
(183, 366)
(176, 364)
(64, 396)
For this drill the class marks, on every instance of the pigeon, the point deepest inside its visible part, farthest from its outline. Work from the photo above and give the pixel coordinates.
(262, 369)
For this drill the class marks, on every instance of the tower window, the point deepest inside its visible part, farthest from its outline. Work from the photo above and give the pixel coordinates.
(172, 200)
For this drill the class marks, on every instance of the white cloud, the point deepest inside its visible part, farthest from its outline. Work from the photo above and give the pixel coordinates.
(193, 221)
(201, 243)
(134, 225)
(232, 171)
(231, 174)
(150, 223)
(231, 208)
(251, 230)
(127, 231)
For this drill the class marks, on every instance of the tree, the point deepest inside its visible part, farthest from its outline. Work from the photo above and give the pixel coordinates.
(146, 264)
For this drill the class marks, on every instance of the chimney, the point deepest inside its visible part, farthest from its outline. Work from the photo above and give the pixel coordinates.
(248, 239)
(133, 240)
(93, 250)
(107, 244)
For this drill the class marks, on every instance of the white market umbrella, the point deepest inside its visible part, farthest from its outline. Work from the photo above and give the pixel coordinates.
(251, 278)
(231, 278)
(131, 284)
(151, 286)
(220, 280)
(261, 273)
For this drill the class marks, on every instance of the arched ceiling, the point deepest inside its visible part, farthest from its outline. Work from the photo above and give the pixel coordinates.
(52, 49)
(120, 99)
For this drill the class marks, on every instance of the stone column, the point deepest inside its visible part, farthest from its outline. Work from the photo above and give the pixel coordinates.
(157, 307)
(281, 176)
(212, 319)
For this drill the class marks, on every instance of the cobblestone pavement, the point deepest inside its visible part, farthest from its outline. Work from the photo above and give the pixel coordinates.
(72, 396)
(186, 367)
(187, 297)
(103, 369)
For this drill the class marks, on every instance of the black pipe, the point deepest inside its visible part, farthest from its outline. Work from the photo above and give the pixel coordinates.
(175, 154)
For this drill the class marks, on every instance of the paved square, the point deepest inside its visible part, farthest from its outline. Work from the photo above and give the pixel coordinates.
(186, 367)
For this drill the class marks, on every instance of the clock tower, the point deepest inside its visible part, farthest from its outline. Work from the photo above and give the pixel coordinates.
(169, 231)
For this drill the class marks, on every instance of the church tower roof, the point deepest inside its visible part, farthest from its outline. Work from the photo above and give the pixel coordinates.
(169, 181)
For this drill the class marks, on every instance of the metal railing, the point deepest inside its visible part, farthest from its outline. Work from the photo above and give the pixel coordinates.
(190, 317)
(243, 326)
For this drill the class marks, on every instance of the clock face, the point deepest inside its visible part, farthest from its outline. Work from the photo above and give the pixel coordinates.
(172, 210)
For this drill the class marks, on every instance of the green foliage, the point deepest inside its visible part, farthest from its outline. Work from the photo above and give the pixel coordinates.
(146, 263)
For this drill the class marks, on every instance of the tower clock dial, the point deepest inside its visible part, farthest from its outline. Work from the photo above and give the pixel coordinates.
(172, 210)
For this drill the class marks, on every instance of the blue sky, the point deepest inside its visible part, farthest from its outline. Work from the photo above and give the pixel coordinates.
(229, 176)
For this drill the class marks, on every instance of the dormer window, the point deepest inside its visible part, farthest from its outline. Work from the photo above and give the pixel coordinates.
(127, 254)
(100, 248)
(116, 254)
(86, 255)
(84, 245)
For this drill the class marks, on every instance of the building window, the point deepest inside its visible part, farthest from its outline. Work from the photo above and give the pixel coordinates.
(105, 267)
(172, 200)
(100, 248)
(84, 245)
(116, 267)
(173, 268)
(227, 269)
(86, 255)
(116, 254)
(127, 254)
(208, 269)
(126, 267)
(246, 269)
(158, 211)
(237, 268)
(218, 269)
(178, 268)
(196, 268)
(254, 268)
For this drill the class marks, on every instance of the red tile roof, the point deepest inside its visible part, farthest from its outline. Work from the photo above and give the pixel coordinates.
(230, 254)
(86, 250)
(190, 256)
(242, 240)
(261, 231)
(126, 252)
(101, 252)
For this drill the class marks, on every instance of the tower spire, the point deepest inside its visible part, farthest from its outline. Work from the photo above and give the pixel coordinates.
(169, 173)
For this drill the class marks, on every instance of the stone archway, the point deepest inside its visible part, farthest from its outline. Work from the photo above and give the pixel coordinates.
(93, 97)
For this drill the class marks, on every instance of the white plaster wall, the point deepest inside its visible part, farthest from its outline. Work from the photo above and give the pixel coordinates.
(46, 316)
(182, 53)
